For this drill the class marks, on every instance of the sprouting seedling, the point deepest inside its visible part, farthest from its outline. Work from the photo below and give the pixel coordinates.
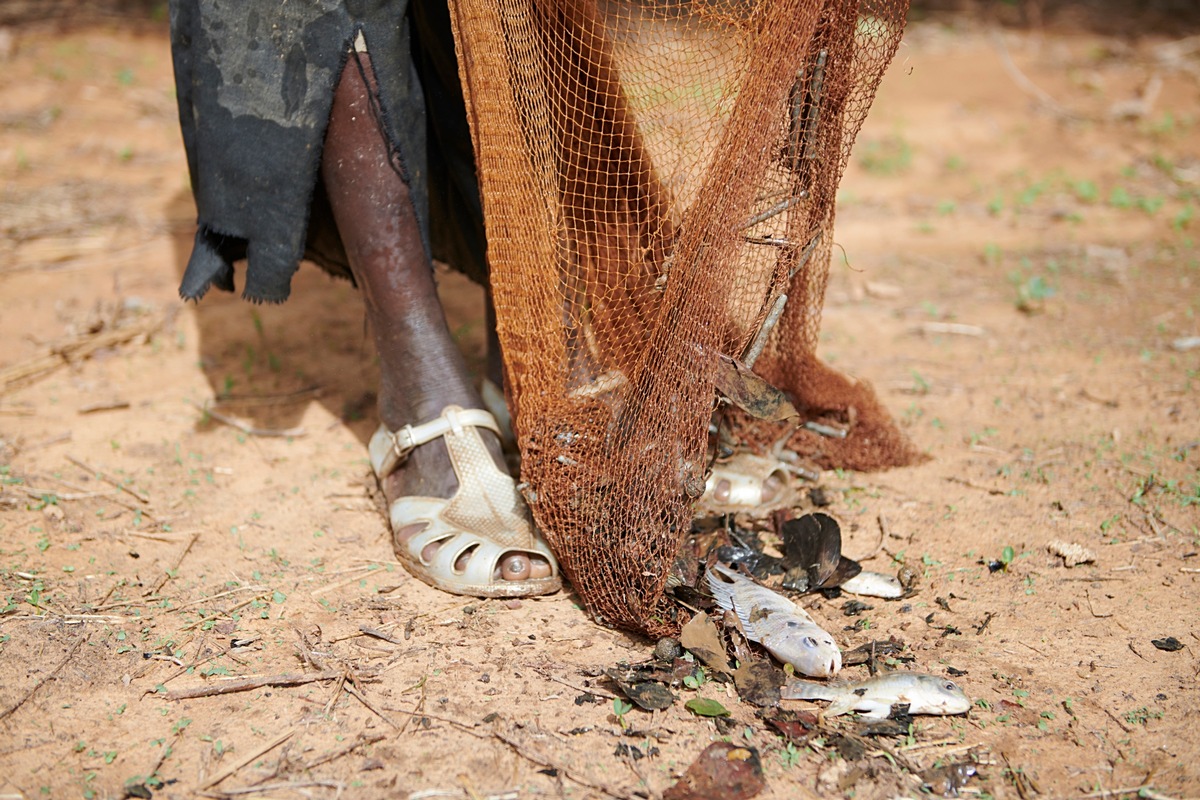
(620, 709)
(696, 679)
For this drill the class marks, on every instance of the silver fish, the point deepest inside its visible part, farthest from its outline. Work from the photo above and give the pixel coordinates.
(782, 627)
(873, 584)
(874, 698)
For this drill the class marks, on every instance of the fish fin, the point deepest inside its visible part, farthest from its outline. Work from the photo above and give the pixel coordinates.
(873, 709)
(724, 584)
(840, 705)
(722, 589)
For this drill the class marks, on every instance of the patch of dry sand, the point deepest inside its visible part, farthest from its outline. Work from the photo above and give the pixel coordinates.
(1067, 239)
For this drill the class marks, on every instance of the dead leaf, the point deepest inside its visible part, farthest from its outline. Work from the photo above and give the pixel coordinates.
(758, 683)
(796, 726)
(701, 637)
(812, 545)
(722, 772)
(752, 394)
(862, 654)
(648, 695)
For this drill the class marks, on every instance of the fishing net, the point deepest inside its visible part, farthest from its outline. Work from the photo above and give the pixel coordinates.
(656, 176)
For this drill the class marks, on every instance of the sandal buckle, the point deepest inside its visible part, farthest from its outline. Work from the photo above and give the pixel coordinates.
(403, 443)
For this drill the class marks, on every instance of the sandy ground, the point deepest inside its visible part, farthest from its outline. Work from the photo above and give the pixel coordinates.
(1020, 222)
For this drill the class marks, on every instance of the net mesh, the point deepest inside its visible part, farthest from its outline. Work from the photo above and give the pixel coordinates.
(655, 175)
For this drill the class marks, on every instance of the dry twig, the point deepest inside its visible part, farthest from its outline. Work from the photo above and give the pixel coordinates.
(250, 684)
(336, 754)
(170, 573)
(71, 654)
(74, 350)
(250, 759)
(563, 769)
(1139, 791)
(593, 691)
(1027, 85)
(246, 428)
(108, 479)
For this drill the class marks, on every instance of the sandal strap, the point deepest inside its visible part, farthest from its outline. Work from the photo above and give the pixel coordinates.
(390, 449)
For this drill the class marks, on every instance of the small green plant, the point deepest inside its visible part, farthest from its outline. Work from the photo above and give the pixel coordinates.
(1031, 292)
(886, 157)
(1120, 198)
(1086, 191)
(992, 254)
(977, 438)
(789, 756)
(1006, 557)
(1140, 716)
(1150, 205)
(1183, 217)
(1030, 194)
(696, 679)
(620, 709)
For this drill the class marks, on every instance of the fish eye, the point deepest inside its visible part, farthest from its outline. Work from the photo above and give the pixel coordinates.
(809, 641)
(950, 686)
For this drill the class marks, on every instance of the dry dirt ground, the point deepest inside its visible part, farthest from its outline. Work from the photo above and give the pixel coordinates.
(1020, 223)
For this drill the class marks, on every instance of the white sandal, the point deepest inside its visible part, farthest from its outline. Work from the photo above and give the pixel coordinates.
(740, 484)
(486, 518)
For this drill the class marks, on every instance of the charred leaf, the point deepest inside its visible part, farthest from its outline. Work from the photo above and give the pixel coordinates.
(752, 394)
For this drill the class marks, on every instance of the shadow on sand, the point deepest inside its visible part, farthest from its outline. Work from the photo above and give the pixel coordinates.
(266, 363)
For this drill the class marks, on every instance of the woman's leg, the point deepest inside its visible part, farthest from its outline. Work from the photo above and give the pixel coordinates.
(421, 369)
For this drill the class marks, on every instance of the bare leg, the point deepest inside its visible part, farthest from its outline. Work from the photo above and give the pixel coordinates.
(421, 369)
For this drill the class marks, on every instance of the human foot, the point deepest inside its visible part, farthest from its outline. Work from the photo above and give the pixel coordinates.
(459, 523)
(745, 482)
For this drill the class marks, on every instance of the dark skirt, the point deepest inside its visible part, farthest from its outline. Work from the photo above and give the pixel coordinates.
(255, 82)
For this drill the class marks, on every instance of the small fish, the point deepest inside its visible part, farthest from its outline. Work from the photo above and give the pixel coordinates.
(874, 697)
(782, 627)
(874, 584)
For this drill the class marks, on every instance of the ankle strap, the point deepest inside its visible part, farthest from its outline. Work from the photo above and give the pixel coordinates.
(390, 449)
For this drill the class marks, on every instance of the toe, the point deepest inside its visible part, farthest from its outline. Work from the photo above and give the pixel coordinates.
(539, 567)
(464, 558)
(429, 552)
(515, 567)
(772, 486)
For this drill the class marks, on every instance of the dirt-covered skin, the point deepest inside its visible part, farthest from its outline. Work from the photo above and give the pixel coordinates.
(1020, 267)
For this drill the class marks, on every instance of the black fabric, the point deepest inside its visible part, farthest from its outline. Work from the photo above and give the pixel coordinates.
(255, 82)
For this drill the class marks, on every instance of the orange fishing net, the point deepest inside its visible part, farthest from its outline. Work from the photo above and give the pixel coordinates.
(656, 177)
